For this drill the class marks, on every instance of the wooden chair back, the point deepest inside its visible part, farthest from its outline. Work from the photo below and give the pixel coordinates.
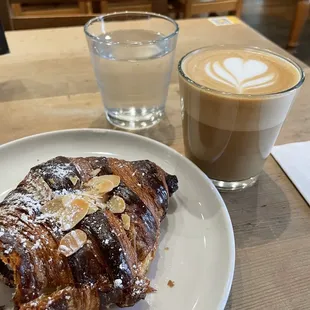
(108, 6)
(27, 14)
(49, 7)
(193, 7)
(30, 14)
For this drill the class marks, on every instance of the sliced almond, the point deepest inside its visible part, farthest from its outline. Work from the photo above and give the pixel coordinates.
(99, 185)
(92, 209)
(51, 181)
(72, 242)
(104, 187)
(116, 204)
(126, 221)
(74, 211)
(53, 206)
(74, 180)
(95, 172)
(67, 210)
(94, 181)
(95, 201)
(115, 179)
(92, 202)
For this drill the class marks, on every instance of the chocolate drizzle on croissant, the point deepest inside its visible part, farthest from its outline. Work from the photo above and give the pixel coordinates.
(110, 268)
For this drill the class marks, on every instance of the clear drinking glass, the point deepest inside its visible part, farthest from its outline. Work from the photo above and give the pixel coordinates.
(132, 54)
(230, 135)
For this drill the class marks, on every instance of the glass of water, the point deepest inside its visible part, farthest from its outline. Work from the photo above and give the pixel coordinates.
(132, 54)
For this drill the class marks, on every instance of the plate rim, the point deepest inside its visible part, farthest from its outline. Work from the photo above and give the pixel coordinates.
(227, 218)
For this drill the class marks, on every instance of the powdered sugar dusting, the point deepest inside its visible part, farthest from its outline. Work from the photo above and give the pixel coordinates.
(66, 192)
(37, 245)
(140, 287)
(59, 171)
(21, 199)
(118, 283)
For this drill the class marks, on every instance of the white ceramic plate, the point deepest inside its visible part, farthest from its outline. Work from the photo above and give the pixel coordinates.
(197, 230)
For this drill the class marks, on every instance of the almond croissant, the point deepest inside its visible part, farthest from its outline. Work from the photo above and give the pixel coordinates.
(80, 233)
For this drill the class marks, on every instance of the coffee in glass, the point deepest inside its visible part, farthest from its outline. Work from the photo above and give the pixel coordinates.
(234, 101)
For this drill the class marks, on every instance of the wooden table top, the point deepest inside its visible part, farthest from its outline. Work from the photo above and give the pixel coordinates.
(47, 83)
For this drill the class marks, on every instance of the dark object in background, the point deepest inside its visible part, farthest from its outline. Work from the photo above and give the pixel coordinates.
(4, 48)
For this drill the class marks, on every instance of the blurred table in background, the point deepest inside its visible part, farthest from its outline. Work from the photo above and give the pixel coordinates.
(31, 14)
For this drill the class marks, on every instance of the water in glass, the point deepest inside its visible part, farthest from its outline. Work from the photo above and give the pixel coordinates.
(133, 69)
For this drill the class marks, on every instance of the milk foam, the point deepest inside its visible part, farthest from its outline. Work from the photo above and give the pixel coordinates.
(241, 71)
(240, 74)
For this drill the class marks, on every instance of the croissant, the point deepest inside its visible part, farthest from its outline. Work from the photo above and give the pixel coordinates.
(80, 233)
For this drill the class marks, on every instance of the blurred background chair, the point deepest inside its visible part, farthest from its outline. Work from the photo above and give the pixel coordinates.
(301, 16)
(27, 14)
(188, 8)
(107, 6)
(49, 7)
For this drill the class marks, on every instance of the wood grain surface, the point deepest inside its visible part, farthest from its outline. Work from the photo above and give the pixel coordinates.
(47, 83)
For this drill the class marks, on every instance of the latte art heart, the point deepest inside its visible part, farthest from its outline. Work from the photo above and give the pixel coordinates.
(240, 71)
(240, 74)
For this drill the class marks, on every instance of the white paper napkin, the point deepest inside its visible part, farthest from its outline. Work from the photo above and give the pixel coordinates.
(294, 158)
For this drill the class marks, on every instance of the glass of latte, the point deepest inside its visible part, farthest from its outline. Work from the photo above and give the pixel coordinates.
(234, 101)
